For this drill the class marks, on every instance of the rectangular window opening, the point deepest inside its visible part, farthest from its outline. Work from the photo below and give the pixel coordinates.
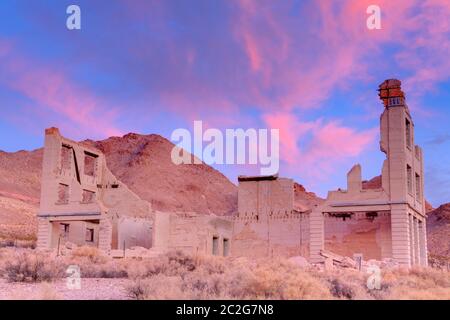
(418, 187)
(409, 179)
(215, 247)
(90, 163)
(89, 235)
(408, 133)
(226, 247)
(63, 194)
(88, 196)
(66, 157)
(64, 230)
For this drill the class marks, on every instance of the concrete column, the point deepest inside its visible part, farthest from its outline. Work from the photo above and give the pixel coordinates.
(401, 250)
(412, 239)
(317, 240)
(423, 243)
(43, 234)
(161, 231)
(385, 237)
(105, 235)
(417, 242)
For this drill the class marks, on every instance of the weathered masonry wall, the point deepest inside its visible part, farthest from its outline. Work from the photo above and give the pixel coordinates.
(398, 229)
(267, 224)
(83, 203)
(263, 195)
(192, 233)
(134, 232)
(277, 236)
(365, 233)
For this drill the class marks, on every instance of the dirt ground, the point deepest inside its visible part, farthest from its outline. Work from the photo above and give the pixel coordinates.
(91, 289)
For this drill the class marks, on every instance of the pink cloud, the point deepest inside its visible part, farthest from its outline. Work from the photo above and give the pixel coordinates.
(78, 107)
(312, 148)
(303, 68)
(252, 52)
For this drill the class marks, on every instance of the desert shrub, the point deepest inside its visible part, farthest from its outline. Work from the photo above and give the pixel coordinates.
(14, 243)
(212, 278)
(279, 280)
(146, 268)
(180, 260)
(349, 284)
(137, 290)
(340, 289)
(31, 267)
(5, 243)
(91, 253)
(174, 263)
(94, 264)
(107, 268)
(439, 278)
(416, 284)
(439, 262)
(158, 287)
(200, 285)
(211, 264)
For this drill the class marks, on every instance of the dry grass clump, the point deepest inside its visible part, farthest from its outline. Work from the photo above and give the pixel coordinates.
(186, 277)
(439, 262)
(109, 269)
(158, 287)
(14, 243)
(172, 264)
(26, 266)
(91, 253)
(282, 280)
(416, 284)
(347, 284)
(21, 265)
(93, 264)
(176, 275)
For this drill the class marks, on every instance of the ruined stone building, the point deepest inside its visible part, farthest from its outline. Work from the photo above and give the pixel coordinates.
(83, 203)
(386, 222)
(268, 224)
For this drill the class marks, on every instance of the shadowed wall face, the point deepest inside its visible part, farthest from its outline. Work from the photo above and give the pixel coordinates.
(359, 233)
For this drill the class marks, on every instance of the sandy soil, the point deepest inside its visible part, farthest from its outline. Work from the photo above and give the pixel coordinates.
(91, 289)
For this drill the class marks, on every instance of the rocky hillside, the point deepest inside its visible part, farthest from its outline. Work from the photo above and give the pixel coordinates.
(20, 174)
(144, 164)
(304, 200)
(438, 229)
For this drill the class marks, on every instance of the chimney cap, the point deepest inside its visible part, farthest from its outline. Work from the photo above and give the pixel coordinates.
(390, 84)
(51, 131)
(391, 88)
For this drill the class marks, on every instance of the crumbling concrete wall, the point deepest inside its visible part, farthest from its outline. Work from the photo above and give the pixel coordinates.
(398, 231)
(265, 194)
(192, 233)
(134, 232)
(283, 235)
(362, 233)
(267, 224)
(79, 190)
